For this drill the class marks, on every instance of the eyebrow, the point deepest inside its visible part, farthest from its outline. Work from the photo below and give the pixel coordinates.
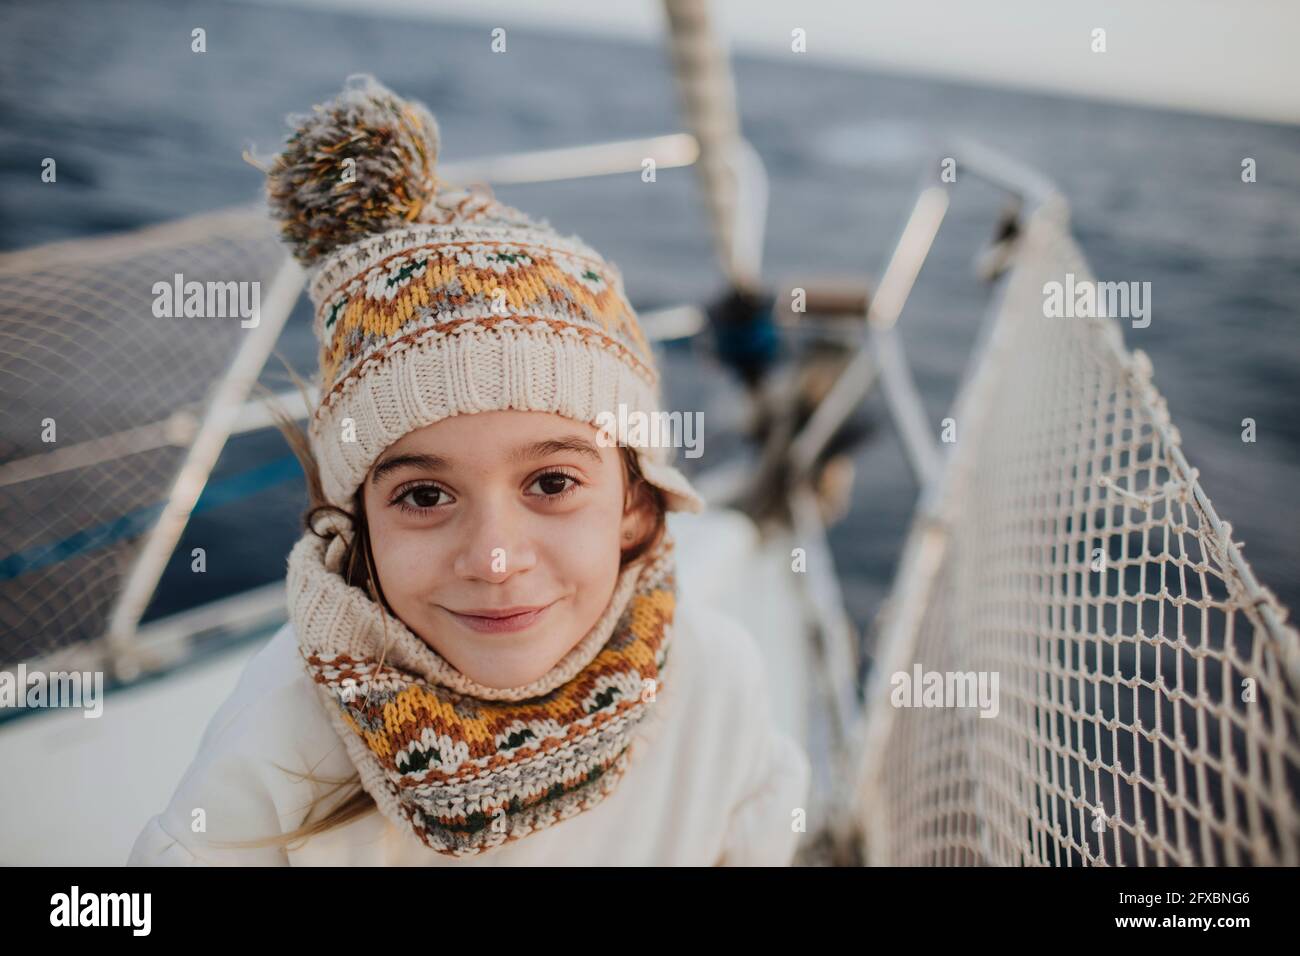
(529, 452)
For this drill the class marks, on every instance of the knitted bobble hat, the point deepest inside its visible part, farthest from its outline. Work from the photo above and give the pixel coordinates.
(432, 300)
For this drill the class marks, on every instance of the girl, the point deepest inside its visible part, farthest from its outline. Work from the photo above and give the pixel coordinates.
(485, 662)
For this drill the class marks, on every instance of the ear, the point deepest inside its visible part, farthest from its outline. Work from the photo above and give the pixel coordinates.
(634, 524)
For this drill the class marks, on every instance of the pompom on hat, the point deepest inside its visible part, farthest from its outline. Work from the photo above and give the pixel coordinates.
(432, 300)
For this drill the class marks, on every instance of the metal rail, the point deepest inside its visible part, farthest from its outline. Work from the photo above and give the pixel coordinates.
(223, 409)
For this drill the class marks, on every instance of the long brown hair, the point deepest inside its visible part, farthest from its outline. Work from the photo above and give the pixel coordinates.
(359, 571)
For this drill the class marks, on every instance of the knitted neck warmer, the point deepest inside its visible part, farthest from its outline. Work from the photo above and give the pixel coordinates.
(462, 766)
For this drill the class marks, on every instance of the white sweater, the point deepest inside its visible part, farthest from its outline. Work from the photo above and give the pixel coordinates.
(711, 780)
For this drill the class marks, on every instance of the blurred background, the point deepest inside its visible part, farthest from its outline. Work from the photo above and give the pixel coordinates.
(146, 131)
(1146, 140)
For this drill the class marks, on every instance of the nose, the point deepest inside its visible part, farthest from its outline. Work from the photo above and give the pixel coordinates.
(496, 543)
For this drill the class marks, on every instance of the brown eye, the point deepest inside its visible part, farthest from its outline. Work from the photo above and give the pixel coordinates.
(555, 485)
(422, 498)
(425, 497)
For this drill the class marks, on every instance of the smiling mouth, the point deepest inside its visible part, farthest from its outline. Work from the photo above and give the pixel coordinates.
(502, 619)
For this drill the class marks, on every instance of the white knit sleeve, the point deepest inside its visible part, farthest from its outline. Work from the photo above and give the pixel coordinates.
(156, 847)
(270, 724)
(773, 771)
(762, 829)
(231, 782)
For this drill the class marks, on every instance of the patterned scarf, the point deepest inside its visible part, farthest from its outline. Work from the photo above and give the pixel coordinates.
(464, 766)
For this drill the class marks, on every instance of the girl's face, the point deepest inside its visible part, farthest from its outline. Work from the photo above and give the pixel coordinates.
(497, 537)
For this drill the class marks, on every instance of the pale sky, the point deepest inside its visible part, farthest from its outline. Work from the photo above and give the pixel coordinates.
(1231, 57)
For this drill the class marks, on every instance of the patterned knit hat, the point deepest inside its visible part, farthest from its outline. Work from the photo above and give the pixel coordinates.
(433, 301)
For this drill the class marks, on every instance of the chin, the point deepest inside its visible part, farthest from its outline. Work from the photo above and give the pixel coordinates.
(502, 681)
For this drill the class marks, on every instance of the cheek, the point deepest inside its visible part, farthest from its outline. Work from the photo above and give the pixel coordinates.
(393, 562)
(584, 547)
(581, 549)
(594, 527)
(405, 557)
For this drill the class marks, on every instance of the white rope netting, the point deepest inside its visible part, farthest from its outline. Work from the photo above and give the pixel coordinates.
(85, 360)
(1147, 686)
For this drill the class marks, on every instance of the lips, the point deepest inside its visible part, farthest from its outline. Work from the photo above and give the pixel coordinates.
(498, 620)
(500, 612)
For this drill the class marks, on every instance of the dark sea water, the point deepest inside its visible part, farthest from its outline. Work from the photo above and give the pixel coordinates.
(145, 131)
